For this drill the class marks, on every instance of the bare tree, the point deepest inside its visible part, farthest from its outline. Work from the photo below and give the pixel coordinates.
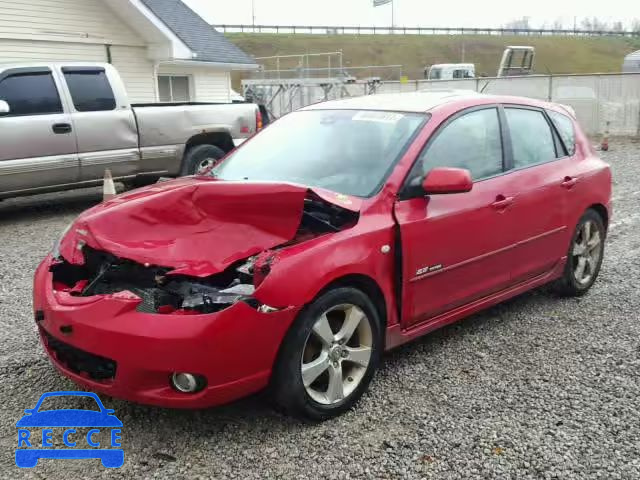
(635, 25)
(518, 24)
(557, 24)
(593, 24)
(617, 27)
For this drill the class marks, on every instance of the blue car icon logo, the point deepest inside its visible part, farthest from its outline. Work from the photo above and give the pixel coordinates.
(35, 433)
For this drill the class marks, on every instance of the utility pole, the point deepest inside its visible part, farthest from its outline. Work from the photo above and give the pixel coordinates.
(393, 23)
(253, 14)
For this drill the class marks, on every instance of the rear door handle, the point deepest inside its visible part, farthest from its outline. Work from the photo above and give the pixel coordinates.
(502, 202)
(569, 182)
(61, 128)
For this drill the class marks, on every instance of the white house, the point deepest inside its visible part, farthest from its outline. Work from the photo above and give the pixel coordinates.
(163, 49)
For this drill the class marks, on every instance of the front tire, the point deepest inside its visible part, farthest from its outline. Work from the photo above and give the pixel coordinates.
(199, 158)
(329, 356)
(584, 258)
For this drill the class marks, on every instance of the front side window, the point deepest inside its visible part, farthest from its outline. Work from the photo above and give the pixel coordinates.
(564, 125)
(30, 94)
(347, 151)
(472, 141)
(90, 90)
(174, 88)
(531, 137)
(462, 73)
(435, 73)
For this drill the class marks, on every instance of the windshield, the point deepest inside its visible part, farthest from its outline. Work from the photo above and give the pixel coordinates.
(347, 151)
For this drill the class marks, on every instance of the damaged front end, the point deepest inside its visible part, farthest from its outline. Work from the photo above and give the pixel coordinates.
(105, 274)
(166, 290)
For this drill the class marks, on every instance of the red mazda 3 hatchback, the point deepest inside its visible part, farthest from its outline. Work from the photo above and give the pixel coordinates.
(340, 231)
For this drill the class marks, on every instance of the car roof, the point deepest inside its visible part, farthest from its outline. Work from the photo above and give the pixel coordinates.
(418, 102)
(456, 65)
(34, 64)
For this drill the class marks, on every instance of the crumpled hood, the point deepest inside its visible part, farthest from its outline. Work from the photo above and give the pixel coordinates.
(198, 226)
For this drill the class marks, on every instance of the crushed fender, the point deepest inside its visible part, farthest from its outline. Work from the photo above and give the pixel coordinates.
(191, 249)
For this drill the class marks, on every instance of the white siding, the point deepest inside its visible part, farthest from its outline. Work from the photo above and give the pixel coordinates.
(136, 71)
(78, 30)
(207, 84)
(85, 20)
(29, 50)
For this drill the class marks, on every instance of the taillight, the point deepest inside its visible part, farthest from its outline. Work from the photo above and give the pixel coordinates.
(258, 120)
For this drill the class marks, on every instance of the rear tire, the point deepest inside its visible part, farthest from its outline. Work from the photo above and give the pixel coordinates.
(584, 257)
(329, 356)
(199, 158)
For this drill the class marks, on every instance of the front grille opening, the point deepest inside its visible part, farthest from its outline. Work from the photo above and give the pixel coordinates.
(80, 362)
(104, 274)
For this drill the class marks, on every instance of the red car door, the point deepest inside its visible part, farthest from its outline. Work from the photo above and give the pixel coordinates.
(456, 248)
(540, 183)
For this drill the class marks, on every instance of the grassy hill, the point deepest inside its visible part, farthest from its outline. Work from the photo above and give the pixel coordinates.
(414, 52)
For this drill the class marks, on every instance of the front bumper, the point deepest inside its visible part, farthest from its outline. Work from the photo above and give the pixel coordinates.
(234, 349)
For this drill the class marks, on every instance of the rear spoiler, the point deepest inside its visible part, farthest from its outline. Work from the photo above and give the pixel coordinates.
(569, 110)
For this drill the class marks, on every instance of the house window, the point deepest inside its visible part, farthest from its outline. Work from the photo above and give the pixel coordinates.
(174, 88)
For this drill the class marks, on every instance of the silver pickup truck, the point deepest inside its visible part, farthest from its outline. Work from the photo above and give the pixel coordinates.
(63, 124)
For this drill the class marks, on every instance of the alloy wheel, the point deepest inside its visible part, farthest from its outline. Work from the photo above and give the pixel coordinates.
(586, 252)
(205, 164)
(336, 354)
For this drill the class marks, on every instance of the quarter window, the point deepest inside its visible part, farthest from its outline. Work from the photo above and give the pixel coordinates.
(173, 88)
(531, 137)
(472, 141)
(30, 94)
(565, 128)
(90, 90)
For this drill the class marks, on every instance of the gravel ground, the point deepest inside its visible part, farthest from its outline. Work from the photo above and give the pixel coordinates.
(539, 387)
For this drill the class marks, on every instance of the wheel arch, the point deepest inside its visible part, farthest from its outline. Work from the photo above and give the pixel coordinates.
(222, 140)
(601, 210)
(366, 285)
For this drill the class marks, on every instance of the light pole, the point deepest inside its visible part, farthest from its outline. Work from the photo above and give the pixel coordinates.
(393, 15)
(253, 14)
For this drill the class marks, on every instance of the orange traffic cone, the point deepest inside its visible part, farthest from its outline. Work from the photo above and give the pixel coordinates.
(604, 144)
(108, 187)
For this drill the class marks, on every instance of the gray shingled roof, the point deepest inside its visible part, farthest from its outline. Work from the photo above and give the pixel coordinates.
(196, 33)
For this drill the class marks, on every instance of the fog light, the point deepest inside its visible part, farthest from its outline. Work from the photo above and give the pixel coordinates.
(187, 382)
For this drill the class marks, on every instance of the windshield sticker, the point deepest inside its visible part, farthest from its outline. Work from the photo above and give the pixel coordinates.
(381, 117)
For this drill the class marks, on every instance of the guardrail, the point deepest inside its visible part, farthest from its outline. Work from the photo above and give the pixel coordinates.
(360, 30)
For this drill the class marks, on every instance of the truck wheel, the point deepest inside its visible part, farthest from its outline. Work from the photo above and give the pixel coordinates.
(329, 356)
(199, 158)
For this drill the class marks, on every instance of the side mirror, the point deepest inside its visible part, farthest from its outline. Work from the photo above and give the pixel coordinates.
(4, 108)
(444, 180)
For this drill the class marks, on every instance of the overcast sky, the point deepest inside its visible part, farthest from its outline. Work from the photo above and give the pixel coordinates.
(478, 13)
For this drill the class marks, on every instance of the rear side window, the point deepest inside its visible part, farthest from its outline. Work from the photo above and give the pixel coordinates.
(472, 141)
(30, 94)
(90, 90)
(531, 137)
(564, 125)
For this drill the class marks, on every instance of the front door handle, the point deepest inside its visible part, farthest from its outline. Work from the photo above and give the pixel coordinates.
(61, 128)
(569, 182)
(502, 202)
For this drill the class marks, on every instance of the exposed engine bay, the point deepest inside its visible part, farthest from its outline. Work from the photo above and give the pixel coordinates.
(163, 292)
